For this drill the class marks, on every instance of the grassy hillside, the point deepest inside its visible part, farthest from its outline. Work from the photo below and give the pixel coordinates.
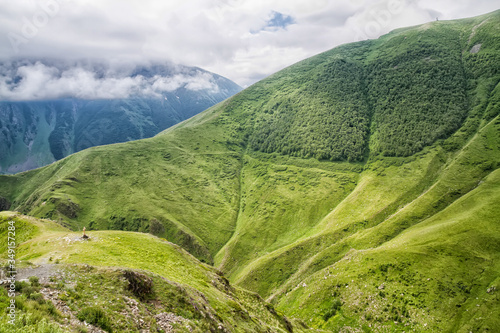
(440, 236)
(127, 285)
(354, 189)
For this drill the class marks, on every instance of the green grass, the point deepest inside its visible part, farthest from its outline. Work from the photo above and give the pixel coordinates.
(278, 203)
(395, 217)
(454, 254)
(191, 189)
(93, 285)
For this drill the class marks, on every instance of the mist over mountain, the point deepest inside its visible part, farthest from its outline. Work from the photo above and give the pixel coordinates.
(48, 79)
(50, 108)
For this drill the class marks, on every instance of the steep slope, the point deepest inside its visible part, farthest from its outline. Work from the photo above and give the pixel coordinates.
(34, 133)
(137, 281)
(439, 275)
(352, 166)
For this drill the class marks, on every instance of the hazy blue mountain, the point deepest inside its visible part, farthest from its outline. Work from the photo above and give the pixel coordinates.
(85, 104)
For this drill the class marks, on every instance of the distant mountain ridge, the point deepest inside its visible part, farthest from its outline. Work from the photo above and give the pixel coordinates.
(85, 108)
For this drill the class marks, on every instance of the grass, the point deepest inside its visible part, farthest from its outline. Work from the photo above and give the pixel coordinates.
(159, 184)
(94, 276)
(452, 253)
(288, 196)
(395, 236)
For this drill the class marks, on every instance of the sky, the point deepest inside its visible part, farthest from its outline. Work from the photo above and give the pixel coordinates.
(243, 40)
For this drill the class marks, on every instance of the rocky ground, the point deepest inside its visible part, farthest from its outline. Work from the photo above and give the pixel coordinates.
(49, 273)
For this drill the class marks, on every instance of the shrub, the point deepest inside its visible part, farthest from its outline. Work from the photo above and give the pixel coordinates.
(335, 307)
(34, 281)
(156, 227)
(37, 297)
(21, 286)
(139, 284)
(25, 288)
(95, 316)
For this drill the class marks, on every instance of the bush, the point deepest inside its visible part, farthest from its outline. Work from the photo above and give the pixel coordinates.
(140, 284)
(335, 307)
(156, 227)
(37, 297)
(21, 286)
(95, 316)
(34, 281)
(25, 288)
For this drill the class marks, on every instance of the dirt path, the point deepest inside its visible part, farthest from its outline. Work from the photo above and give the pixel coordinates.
(44, 272)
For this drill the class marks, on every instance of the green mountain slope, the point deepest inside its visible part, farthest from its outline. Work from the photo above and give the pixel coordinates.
(353, 189)
(135, 286)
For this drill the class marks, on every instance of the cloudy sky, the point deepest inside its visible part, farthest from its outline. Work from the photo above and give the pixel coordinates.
(244, 40)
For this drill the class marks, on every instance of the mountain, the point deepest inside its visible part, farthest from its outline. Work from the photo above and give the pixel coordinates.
(356, 190)
(76, 105)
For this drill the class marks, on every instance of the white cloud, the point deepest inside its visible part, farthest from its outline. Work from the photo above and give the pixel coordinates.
(41, 82)
(201, 81)
(212, 34)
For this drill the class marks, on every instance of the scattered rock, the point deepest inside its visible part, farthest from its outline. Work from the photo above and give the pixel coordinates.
(475, 49)
(165, 320)
(71, 320)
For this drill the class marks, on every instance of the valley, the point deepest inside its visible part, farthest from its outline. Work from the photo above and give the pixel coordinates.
(355, 191)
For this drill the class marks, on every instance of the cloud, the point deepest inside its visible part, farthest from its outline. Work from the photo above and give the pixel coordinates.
(202, 81)
(39, 81)
(243, 40)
